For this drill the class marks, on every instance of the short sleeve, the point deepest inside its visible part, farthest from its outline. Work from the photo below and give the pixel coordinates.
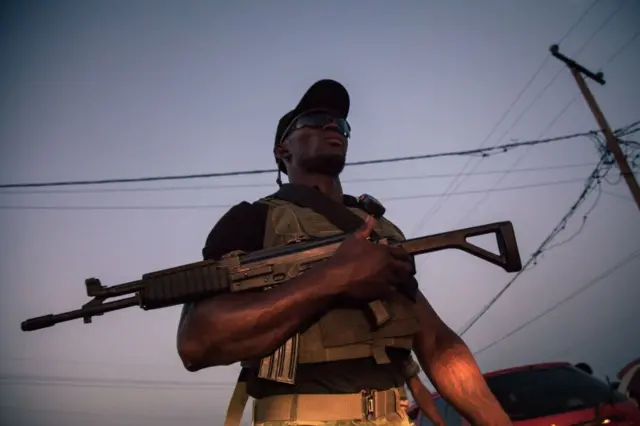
(241, 228)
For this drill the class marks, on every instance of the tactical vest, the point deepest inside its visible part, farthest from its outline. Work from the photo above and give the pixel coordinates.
(341, 334)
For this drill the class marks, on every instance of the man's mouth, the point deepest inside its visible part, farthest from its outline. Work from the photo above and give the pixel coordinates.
(334, 141)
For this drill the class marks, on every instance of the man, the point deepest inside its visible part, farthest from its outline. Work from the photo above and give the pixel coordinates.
(347, 372)
(421, 394)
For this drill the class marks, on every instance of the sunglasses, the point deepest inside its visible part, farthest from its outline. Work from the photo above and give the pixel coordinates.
(318, 120)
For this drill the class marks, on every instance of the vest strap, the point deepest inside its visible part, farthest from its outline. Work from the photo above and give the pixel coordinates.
(355, 351)
(237, 404)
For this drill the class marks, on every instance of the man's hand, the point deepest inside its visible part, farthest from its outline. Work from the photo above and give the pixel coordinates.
(424, 399)
(366, 271)
(450, 366)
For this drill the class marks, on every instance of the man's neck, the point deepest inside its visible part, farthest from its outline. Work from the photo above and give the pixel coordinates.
(329, 186)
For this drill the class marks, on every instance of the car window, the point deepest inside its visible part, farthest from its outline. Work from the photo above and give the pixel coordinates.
(539, 392)
(448, 413)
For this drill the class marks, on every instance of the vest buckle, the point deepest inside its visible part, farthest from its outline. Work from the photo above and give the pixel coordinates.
(369, 405)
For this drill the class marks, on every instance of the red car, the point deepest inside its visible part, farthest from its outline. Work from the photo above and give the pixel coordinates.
(552, 394)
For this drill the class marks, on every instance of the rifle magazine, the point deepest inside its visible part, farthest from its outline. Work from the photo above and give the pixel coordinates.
(281, 365)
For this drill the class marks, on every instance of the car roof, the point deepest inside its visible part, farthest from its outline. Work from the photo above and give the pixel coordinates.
(628, 368)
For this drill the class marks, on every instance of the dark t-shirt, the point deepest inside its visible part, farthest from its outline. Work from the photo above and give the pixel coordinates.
(242, 228)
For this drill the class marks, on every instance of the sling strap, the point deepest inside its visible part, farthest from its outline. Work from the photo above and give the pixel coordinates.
(337, 213)
(341, 217)
(237, 404)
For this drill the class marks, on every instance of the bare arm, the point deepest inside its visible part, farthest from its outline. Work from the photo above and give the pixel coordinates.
(424, 399)
(234, 327)
(450, 366)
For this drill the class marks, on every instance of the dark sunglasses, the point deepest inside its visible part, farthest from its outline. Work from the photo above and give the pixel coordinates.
(318, 120)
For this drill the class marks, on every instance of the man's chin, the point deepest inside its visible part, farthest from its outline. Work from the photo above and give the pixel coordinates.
(329, 165)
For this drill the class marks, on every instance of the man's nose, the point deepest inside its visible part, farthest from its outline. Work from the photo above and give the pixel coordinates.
(331, 125)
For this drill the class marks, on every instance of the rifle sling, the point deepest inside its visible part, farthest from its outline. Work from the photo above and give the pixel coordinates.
(336, 213)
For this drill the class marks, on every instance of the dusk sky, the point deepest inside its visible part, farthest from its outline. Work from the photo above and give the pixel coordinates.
(121, 89)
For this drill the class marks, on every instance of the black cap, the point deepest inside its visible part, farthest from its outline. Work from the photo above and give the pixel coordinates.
(322, 95)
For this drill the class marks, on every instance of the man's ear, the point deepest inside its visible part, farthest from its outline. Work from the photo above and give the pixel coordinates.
(282, 152)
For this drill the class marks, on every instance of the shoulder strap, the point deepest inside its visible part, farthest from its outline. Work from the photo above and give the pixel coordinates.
(237, 403)
(336, 213)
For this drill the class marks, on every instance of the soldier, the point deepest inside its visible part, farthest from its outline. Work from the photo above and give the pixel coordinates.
(347, 372)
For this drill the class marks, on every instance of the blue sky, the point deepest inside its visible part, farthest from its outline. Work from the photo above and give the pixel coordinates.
(126, 89)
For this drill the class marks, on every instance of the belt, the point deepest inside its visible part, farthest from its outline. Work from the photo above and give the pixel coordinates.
(367, 405)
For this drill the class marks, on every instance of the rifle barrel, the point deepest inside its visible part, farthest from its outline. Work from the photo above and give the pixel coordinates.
(86, 312)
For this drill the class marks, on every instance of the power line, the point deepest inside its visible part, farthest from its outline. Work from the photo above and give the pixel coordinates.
(452, 186)
(592, 181)
(580, 19)
(202, 418)
(629, 144)
(624, 47)
(105, 382)
(76, 362)
(556, 118)
(484, 152)
(585, 217)
(571, 296)
(506, 173)
(572, 344)
(219, 206)
(622, 197)
(270, 185)
(430, 214)
(629, 129)
(601, 27)
(619, 132)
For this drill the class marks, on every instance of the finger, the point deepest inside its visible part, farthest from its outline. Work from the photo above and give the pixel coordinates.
(400, 253)
(402, 269)
(366, 228)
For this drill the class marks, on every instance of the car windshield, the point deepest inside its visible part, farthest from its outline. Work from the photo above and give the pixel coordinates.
(539, 392)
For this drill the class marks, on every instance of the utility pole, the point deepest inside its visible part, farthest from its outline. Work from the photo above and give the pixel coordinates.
(612, 141)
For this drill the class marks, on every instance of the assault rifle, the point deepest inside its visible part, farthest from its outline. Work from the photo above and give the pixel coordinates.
(263, 269)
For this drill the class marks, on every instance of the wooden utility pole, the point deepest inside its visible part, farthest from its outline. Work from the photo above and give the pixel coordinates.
(613, 144)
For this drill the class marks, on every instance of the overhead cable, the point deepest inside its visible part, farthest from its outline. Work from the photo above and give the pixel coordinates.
(483, 152)
(571, 296)
(591, 183)
(430, 214)
(35, 379)
(456, 182)
(270, 185)
(219, 206)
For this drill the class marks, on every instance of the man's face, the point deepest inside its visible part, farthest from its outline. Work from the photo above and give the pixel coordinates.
(316, 142)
